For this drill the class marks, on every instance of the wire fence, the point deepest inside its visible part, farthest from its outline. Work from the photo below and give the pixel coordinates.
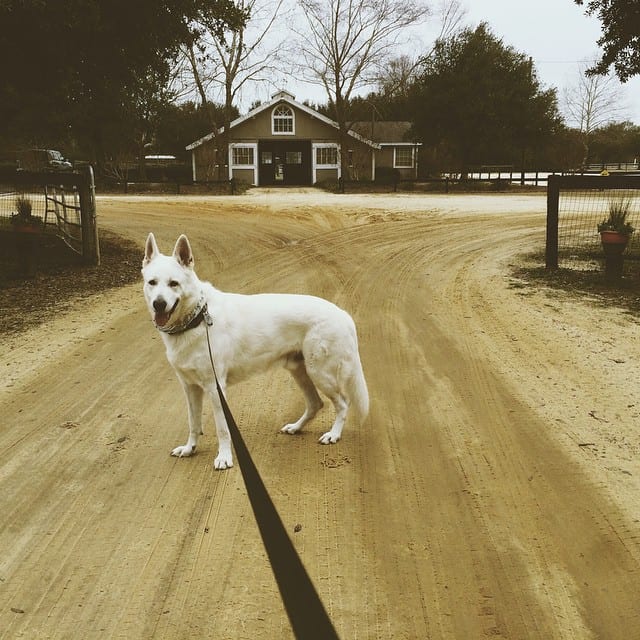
(9, 196)
(57, 210)
(575, 207)
(61, 204)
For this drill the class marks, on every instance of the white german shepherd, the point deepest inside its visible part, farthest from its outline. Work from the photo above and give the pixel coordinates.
(315, 340)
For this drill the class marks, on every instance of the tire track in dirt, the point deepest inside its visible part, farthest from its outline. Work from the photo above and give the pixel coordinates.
(490, 399)
(416, 453)
(539, 478)
(530, 623)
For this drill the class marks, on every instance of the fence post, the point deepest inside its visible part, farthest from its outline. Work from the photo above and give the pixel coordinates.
(553, 198)
(87, 192)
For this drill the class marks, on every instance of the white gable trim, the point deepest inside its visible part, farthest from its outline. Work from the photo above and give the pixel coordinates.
(282, 96)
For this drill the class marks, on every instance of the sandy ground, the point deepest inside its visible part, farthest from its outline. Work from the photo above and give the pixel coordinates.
(494, 490)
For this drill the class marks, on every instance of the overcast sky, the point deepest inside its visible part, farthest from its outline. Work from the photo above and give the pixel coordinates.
(555, 33)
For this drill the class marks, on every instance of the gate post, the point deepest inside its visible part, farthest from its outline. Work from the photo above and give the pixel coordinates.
(87, 192)
(553, 198)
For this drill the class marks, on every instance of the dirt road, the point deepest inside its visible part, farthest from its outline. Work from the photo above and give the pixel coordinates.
(494, 490)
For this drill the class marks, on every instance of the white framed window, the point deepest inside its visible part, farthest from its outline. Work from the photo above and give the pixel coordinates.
(326, 156)
(403, 157)
(244, 156)
(283, 121)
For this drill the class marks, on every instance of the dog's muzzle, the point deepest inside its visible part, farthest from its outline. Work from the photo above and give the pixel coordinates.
(161, 314)
(191, 321)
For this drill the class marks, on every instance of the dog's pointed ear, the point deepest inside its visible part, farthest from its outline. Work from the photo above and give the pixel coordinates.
(150, 250)
(182, 252)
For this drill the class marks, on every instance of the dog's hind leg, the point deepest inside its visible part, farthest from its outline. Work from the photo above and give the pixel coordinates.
(296, 367)
(324, 370)
(342, 407)
(194, 395)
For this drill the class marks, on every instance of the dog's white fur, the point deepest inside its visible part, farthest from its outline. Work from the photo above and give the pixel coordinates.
(314, 339)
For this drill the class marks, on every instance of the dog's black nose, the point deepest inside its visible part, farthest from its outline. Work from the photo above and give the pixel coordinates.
(159, 304)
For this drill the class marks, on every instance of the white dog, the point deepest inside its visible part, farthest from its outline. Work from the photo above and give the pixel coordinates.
(315, 340)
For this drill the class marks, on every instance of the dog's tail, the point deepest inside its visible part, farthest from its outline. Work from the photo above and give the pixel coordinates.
(358, 392)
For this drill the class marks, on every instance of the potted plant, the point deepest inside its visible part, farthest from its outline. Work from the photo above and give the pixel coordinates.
(23, 221)
(615, 231)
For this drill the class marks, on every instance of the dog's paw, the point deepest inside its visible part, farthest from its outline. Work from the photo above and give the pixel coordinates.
(291, 429)
(329, 438)
(223, 461)
(184, 451)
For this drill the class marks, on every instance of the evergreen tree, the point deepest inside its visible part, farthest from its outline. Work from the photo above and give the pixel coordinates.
(73, 71)
(478, 101)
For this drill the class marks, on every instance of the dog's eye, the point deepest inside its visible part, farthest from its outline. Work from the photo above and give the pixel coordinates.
(173, 284)
(153, 283)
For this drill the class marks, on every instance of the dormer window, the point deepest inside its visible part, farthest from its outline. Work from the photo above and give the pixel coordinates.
(283, 120)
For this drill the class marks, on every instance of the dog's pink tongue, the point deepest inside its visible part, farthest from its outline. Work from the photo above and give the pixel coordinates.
(161, 318)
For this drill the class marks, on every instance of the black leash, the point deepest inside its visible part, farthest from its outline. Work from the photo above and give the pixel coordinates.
(307, 615)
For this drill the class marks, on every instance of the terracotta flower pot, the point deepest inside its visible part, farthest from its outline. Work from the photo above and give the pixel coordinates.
(614, 237)
(613, 245)
(27, 228)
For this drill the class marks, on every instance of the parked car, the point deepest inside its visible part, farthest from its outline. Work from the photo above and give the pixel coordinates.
(43, 160)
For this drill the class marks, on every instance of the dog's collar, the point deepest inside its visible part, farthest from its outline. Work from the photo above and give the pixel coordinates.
(199, 313)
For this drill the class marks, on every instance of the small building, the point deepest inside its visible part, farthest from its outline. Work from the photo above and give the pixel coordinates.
(397, 150)
(284, 142)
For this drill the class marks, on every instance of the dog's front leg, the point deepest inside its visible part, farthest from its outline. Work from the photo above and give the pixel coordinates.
(224, 459)
(194, 395)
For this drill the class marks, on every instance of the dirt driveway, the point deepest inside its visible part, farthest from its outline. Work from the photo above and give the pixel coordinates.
(494, 490)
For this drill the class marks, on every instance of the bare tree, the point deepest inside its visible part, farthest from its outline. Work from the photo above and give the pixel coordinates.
(247, 55)
(451, 14)
(592, 103)
(222, 65)
(396, 74)
(346, 41)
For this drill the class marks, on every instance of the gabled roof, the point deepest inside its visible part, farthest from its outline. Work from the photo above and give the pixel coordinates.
(276, 98)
